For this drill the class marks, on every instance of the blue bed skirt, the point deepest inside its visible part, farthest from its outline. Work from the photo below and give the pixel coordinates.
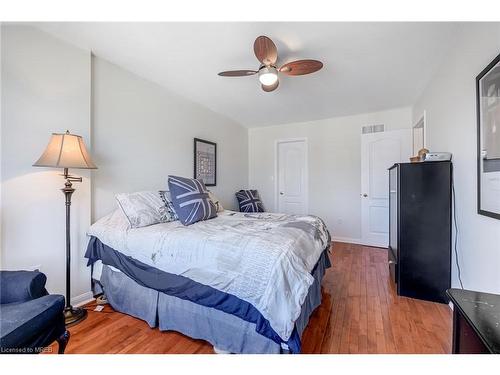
(167, 300)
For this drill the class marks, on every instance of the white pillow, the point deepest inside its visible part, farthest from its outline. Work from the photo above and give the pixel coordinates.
(215, 201)
(142, 208)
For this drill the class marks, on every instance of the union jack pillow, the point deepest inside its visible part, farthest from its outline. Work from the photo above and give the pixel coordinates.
(249, 201)
(190, 199)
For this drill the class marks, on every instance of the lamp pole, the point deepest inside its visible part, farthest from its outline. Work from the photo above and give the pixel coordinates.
(72, 315)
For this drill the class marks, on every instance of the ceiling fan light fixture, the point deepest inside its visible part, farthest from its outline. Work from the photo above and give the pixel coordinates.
(268, 75)
(267, 54)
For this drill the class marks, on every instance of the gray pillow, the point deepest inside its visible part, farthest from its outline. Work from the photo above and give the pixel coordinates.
(190, 199)
(142, 208)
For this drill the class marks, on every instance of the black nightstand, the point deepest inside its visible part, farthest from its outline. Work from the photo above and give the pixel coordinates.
(476, 322)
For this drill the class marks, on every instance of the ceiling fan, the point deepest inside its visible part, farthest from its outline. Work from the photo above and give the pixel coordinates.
(266, 52)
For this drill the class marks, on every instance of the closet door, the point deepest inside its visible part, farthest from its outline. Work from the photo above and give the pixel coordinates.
(378, 152)
(292, 176)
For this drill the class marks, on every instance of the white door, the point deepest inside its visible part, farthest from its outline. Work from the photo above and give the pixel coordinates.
(379, 151)
(291, 167)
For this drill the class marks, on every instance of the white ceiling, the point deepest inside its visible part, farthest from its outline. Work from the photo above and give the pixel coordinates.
(367, 66)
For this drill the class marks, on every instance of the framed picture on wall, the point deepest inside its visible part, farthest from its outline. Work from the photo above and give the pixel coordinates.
(488, 140)
(205, 161)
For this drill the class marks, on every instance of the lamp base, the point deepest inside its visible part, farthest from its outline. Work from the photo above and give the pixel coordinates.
(74, 315)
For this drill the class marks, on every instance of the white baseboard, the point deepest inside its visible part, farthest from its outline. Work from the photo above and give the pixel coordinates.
(356, 241)
(82, 299)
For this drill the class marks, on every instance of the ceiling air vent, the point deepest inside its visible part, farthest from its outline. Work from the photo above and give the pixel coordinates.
(373, 129)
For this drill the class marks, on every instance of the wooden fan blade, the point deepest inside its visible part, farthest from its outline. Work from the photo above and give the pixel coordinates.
(301, 67)
(272, 87)
(265, 50)
(237, 73)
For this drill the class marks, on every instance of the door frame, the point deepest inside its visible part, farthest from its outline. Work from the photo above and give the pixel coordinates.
(276, 172)
(421, 120)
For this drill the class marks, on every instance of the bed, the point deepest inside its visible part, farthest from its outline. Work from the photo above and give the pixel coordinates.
(246, 283)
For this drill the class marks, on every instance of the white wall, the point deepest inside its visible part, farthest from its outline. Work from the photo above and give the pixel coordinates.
(450, 105)
(334, 165)
(142, 133)
(45, 88)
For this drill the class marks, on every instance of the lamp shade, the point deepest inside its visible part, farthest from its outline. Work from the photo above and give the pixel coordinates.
(65, 151)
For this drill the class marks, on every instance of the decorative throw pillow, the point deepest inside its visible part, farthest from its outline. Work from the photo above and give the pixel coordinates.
(249, 201)
(142, 208)
(169, 213)
(190, 200)
(216, 201)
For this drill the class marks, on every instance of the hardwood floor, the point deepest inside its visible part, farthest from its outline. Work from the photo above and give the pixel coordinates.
(360, 313)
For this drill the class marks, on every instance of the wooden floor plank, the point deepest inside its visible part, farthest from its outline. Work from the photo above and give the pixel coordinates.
(360, 313)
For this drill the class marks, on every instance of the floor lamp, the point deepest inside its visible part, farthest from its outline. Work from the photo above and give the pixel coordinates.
(67, 151)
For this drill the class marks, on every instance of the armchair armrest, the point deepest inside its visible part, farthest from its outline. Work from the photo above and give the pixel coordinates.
(21, 286)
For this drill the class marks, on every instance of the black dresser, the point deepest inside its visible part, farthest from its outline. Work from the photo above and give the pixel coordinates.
(420, 229)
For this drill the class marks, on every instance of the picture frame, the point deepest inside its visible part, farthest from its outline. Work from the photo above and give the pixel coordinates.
(488, 140)
(205, 161)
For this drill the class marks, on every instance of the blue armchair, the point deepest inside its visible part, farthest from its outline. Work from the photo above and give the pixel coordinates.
(30, 318)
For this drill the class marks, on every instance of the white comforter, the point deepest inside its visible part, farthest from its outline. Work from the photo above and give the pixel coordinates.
(264, 259)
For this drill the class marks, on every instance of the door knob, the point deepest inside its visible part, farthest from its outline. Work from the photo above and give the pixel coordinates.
(365, 195)
(281, 193)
